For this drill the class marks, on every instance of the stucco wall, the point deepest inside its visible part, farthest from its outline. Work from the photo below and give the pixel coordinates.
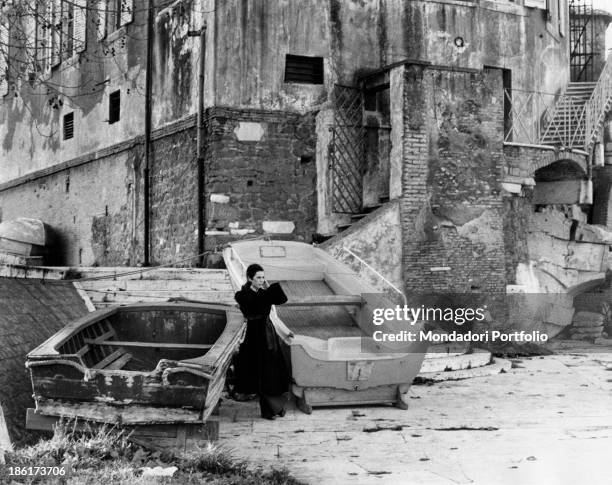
(356, 37)
(31, 116)
(95, 209)
(376, 239)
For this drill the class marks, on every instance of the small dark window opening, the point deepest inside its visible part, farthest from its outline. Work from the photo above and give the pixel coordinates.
(303, 69)
(369, 101)
(114, 107)
(68, 126)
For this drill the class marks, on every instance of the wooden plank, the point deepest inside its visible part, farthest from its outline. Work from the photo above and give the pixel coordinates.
(102, 338)
(327, 396)
(120, 362)
(108, 359)
(165, 286)
(146, 296)
(40, 422)
(84, 296)
(161, 345)
(154, 436)
(82, 351)
(327, 300)
(128, 415)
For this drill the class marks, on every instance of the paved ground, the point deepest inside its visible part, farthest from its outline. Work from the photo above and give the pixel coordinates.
(546, 421)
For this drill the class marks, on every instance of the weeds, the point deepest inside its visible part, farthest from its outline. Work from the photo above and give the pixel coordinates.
(104, 454)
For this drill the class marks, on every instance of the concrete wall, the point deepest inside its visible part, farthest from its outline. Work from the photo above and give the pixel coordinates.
(376, 239)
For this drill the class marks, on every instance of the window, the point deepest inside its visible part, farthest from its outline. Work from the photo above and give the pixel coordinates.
(69, 126)
(62, 32)
(114, 107)
(113, 14)
(303, 69)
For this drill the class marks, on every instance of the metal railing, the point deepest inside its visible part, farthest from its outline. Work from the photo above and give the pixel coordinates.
(598, 105)
(379, 276)
(537, 118)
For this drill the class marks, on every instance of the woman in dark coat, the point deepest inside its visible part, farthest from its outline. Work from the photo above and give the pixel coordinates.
(260, 367)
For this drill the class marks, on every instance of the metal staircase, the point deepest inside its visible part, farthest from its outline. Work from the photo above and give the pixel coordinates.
(578, 116)
(567, 123)
(572, 120)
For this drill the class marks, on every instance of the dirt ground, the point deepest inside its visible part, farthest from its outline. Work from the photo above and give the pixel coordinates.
(546, 421)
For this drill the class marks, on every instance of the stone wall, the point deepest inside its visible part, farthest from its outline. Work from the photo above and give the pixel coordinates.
(260, 169)
(451, 207)
(174, 198)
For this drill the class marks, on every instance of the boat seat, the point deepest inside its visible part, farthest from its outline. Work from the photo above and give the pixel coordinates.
(114, 361)
(152, 345)
(326, 300)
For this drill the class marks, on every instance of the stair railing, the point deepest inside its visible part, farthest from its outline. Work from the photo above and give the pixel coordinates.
(598, 105)
(537, 118)
(566, 125)
(376, 273)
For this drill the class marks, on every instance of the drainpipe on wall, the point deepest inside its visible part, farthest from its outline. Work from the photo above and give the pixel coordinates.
(147, 141)
(200, 152)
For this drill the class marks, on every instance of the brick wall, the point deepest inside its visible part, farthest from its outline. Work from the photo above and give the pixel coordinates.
(451, 207)
(525, 161)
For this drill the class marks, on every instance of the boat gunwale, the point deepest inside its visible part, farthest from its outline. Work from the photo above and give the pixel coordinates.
(47, 353)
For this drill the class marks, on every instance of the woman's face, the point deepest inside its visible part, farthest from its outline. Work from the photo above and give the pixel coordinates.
(258, 280)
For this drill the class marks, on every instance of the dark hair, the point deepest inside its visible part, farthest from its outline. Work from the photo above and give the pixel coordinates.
(252, 270)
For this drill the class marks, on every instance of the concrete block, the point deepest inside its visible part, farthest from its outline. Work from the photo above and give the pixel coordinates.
(220, 198)
(249, 131)
(241, 232)
(278, 227)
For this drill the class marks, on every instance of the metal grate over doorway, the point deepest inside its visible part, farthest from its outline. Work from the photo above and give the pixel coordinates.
(347, 150)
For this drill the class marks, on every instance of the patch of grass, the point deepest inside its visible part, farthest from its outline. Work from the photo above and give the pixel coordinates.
(105, 455)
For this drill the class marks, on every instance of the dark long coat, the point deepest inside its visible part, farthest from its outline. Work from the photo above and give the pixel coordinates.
(260, 367)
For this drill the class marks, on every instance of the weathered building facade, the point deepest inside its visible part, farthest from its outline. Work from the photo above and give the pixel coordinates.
(291, 117)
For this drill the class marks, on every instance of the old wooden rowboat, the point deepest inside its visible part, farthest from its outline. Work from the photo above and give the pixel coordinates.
(137, 364)
(334, 358)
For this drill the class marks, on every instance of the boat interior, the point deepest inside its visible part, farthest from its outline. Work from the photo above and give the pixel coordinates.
(324, 295)
(138, 340)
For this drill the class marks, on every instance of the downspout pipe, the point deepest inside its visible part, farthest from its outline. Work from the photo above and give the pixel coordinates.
(147, 137)
(200, 153)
